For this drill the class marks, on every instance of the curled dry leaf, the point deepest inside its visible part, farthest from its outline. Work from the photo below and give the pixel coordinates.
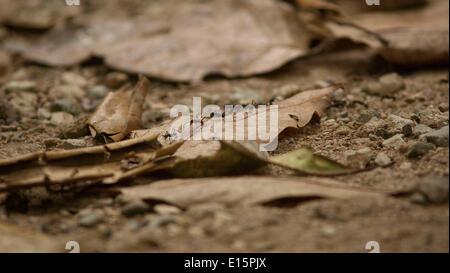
(416, 36)
(107, 163)
(244, 191)
(305, 161)
(256, 36)
(120, 112)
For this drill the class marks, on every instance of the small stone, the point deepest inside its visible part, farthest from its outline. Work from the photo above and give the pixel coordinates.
(367, 115)
(419, 149)
(43, 113)
(18, 86)
(400, 125)
(358, 159)
(323, 83)
(433, 118)
(443, 107)
(115, 79)
(64, 105)
(61, 118)
(90, 218)
(134, 225)
(5, 62)
(135, 207)
(331, 123)
(387, 85)
(328, 231)
(65, 213)
(206, 209)
(71, 92)
(104, 202)
(98, 91)
(7, 112)
(405, 166)
(434, 188)
(287, 90)
(75, 129)
(68, 144)
(166, 209)
(382, 159)
(418, 198)
(245, 97)
(211, 98)
(152, 116)
(161, 220)
(343, 131)
(437, 137)
(395, 142)
(71, 78)
(421, 129)
(375, 126)
(25, 103)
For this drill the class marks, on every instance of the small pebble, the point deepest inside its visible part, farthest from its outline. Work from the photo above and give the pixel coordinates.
(161, 220)
(434, 188)
(245, 97)
(382, 159)
(64, 105)
(394, 142)
(17, 86)
(61, 118)
(166, 209)
(437, 137)
(419, 149)
(135, 207)
(98, 91)
(433, 118)
(73, 79)
(387, 85)
(358, 159)
(367, 115)
(90, 218)
(116, 79)
(400, 125)
(421, 129)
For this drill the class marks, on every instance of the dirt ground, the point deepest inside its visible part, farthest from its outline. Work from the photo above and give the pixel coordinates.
(398, 223)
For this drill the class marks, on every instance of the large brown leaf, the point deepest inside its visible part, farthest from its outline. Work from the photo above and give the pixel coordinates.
(75, 42)
(416, 36)
(120, 112)
(244, 191)
(228, 37)
(293, 113)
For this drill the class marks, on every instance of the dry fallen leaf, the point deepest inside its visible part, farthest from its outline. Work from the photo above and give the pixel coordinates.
(416, 36)
(107, 163)
(120, 112)
(72, 43)
(256, 36)
(293, 113)
(244, 190)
